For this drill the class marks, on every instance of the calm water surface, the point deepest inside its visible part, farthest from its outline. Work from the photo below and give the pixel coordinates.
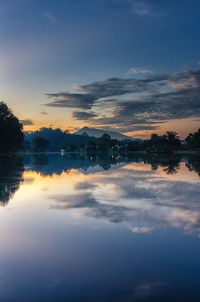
(94, 229)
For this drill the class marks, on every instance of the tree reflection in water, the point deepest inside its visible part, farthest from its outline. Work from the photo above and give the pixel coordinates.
(193, 163)
(11, 175)
(47, 165)
(170, 164)
(12, 167)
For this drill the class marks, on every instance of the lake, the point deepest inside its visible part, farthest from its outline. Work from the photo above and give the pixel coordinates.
(97, 228)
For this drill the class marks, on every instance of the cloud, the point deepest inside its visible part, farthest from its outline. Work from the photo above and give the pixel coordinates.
(27, 122)
(53, 283)
(84, 186)
(73, 201)
(141, 229)
(71, 100)
(49, 18)
(93, 92)
(145, 290)
(82, 115)
(43, 113)
(140, 8)
(144, 9)
(140, 70)
(134, 103)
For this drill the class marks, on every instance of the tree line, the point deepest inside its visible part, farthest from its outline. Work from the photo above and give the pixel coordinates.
(13, 139)
(47, 139)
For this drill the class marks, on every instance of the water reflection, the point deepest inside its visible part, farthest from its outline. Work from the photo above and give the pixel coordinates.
(135, 191)
(11, 171)
(142, 199)
(12, 168)
(96, 228)
(170, 165)
(56, 164)
(193, 164)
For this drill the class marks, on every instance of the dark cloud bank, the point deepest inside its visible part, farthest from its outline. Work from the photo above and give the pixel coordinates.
(135, 104)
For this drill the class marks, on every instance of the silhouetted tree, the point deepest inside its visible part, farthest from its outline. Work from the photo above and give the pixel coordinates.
(166, 143)
(11, 135)
(173, 141)
(158, 144)
(40, 144)
(193, 140)
(104, 142)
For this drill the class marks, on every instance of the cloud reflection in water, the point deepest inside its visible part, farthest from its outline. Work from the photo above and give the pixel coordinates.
(137, 196)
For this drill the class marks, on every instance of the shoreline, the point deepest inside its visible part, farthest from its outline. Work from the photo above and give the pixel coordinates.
(183, 152)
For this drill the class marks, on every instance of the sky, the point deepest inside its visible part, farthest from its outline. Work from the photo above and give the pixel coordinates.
(128, 65)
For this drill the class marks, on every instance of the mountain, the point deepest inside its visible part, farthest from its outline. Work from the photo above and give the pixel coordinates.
(57, 138)
(98, 133)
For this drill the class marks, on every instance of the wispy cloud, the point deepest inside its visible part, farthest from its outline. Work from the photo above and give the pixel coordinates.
(146, 289)
(141, 229)
(27, 122)
(49, 18)
(82, 115)
(140, 8)
(139, 70)
(144, 9)
(71, 100)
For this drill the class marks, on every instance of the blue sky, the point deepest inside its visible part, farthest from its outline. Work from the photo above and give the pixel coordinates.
(48, 47)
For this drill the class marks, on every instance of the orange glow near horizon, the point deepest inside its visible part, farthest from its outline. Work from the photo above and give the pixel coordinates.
(182, 127)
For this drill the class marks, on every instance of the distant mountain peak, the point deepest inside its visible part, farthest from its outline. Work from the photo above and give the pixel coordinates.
(99, 132)
(85, 128)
